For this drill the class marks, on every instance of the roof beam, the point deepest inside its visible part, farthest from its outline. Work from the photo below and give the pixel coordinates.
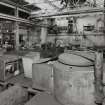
(46, 1)
(13, 18)
(72, 12)
(24, 10)
(50, 2)
(8, 5)
(15, 7)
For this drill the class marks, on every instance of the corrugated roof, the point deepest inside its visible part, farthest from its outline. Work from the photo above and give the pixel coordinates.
(47, 5)
(53, 6)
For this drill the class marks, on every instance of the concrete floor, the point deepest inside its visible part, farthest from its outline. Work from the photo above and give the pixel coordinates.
(26, 82)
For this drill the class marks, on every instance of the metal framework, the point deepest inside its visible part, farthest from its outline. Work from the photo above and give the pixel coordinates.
(51, 3)
(15, 18)
(79, 12)
(71, 12)
(4, 16)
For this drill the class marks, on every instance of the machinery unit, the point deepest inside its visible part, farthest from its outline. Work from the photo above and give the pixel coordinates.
(9, 66)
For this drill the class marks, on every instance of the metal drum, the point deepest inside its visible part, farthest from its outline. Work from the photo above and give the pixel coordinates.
(28, 60)
(74, 80)
(42, 76)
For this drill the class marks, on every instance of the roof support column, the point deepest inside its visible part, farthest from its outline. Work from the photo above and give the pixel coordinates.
(17, 36)
(16, 31)
(44, 32)
(28, 36)
(99, 77)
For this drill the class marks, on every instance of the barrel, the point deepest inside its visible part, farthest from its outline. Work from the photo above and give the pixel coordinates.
(42, 76)
(28, 60)
(74, 79)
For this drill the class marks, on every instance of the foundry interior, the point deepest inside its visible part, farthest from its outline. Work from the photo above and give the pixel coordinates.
(52, 52)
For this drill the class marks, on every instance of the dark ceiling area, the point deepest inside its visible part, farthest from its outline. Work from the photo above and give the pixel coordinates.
(6, 10)
(32, 7)
(23, 15)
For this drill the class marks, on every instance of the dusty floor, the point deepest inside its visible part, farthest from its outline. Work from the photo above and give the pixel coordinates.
(26, 82)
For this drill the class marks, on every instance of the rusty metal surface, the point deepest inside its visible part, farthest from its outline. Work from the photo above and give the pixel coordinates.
(42, 77)
(75, 59)
(74, 85)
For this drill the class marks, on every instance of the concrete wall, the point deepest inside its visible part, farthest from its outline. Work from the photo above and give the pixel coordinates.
(97, 21)
(92, 20)
(22, 31)
(34, 35)
(61, 21)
